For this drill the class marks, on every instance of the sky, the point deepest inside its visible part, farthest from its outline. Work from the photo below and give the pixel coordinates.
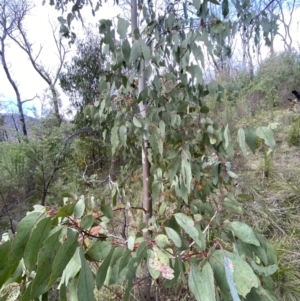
(40, 33)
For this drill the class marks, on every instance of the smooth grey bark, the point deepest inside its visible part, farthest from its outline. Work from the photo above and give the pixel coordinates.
(8, 21)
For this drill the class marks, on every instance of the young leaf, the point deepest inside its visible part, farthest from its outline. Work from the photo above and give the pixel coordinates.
(86, 283)
(201, 283)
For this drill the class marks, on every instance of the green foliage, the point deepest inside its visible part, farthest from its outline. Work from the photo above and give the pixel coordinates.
(294, 133)
(276, 78)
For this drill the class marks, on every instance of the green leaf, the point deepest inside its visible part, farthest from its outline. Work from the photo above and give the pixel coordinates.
(229, 268)
(250, 136)
(136, 51)
(73, 289)
(201, 284)
(79, 208)
(87, 222)
(170, 21)
(114, 139)
(99, 250)
(242, 141)
(107, 211)
(186, 169)
(162, 241)
(162, 129)
(66, 210)
(123, 134)
(243, 276)
(187, 224)
(233, 206)
(174, 236)
(63, 256)
(232, 174)
(122, 28)
(126, 49)
(102, 271)
(265, 294)
(266, 134)
(63, 293)
(39, 234)
(86, 283)
(23, 232)
(244, 233)
(136, 122)
(72, 269)
(46, 258)
(145, 50)
(6, 269)
(261, 270)
(226, 136)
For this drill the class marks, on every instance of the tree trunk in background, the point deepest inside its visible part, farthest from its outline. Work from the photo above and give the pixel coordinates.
(145, 286)
(13, 84)
(55, 103)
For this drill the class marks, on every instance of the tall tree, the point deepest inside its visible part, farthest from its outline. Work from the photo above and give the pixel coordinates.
(51, 78)
(80, 77)
(12, 13)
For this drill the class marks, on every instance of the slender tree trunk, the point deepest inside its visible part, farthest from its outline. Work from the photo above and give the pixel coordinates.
(55, 103)
(14, 85)
(244, 47)
(251, 66)
(145, 287)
